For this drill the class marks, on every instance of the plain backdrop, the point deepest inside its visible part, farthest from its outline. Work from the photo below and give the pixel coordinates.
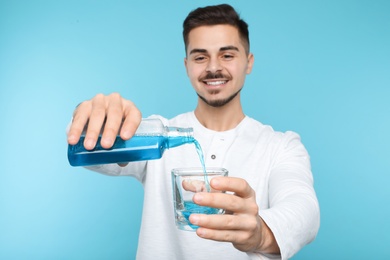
(322, 69)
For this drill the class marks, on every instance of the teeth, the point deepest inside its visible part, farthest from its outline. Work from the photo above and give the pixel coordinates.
(215, 83)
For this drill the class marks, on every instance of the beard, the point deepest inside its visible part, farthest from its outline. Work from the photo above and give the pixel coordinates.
(219, 102)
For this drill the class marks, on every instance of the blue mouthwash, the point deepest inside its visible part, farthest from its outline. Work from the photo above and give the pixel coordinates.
(149, 142)
(191, 208)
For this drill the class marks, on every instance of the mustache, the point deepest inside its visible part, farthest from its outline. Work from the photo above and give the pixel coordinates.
(217, 75)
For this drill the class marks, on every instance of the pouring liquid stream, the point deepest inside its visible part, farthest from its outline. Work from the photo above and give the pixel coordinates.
(201, 158)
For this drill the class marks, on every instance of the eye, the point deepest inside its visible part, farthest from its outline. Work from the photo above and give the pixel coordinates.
(227, 56)
(200, 58)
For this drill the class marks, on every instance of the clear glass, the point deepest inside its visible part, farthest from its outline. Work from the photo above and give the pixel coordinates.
(185, 183)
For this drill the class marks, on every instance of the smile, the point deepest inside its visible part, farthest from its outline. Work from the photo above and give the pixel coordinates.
(215, 83)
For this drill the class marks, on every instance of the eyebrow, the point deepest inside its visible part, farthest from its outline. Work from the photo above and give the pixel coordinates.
(229, 48)
(198, 51)
(226, 48)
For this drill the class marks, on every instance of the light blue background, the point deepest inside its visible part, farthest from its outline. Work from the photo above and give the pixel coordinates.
(322, 69)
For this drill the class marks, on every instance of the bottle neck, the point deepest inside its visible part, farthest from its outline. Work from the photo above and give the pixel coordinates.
(177, 136)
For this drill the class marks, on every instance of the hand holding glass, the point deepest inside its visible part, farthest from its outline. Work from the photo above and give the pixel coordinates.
(185, 183)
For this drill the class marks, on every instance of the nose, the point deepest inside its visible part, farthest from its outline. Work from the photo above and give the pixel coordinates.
(213, 65)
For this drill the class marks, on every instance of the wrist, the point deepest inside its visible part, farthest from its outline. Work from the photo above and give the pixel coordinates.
(268, 244)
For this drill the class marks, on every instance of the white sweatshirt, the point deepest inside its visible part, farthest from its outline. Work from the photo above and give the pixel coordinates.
(275, 164)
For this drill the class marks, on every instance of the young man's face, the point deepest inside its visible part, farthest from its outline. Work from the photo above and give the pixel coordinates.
(217, 63)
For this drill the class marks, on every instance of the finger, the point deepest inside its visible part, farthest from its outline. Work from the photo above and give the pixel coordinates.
(242, 231)
(229, 202)
(239, 186)
(131, 120)
(80, 119)
(194, 185)
(223, 222)
(217, 235)
(215, 200)
(96, 121)
(237, 237)
(114, 115)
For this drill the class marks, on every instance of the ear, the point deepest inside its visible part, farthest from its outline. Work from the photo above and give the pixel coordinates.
(251, 60)
(185, 64)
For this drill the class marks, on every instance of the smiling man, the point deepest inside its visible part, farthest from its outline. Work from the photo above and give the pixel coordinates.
(217, 62)
(271, 203)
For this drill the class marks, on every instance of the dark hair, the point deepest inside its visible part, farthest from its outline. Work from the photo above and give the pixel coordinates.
(215, 15)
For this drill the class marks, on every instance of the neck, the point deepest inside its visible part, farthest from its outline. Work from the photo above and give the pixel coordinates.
(220, 118)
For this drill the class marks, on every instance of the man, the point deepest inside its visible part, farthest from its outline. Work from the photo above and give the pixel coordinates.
(273, 209)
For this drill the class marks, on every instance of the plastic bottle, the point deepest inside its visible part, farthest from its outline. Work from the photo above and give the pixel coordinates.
(150, 141)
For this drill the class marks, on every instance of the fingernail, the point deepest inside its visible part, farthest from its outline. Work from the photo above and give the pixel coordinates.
(198, 197)
(89, 143)
(201, 232)
(106, 142)
(194, 219)
(215, 182)
(126, 134)
(71, 139)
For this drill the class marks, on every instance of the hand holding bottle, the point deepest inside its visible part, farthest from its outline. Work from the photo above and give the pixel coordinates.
(115, 113)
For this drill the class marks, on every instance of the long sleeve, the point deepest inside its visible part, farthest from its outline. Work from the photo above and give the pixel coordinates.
(293, 215)
(133, 169)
